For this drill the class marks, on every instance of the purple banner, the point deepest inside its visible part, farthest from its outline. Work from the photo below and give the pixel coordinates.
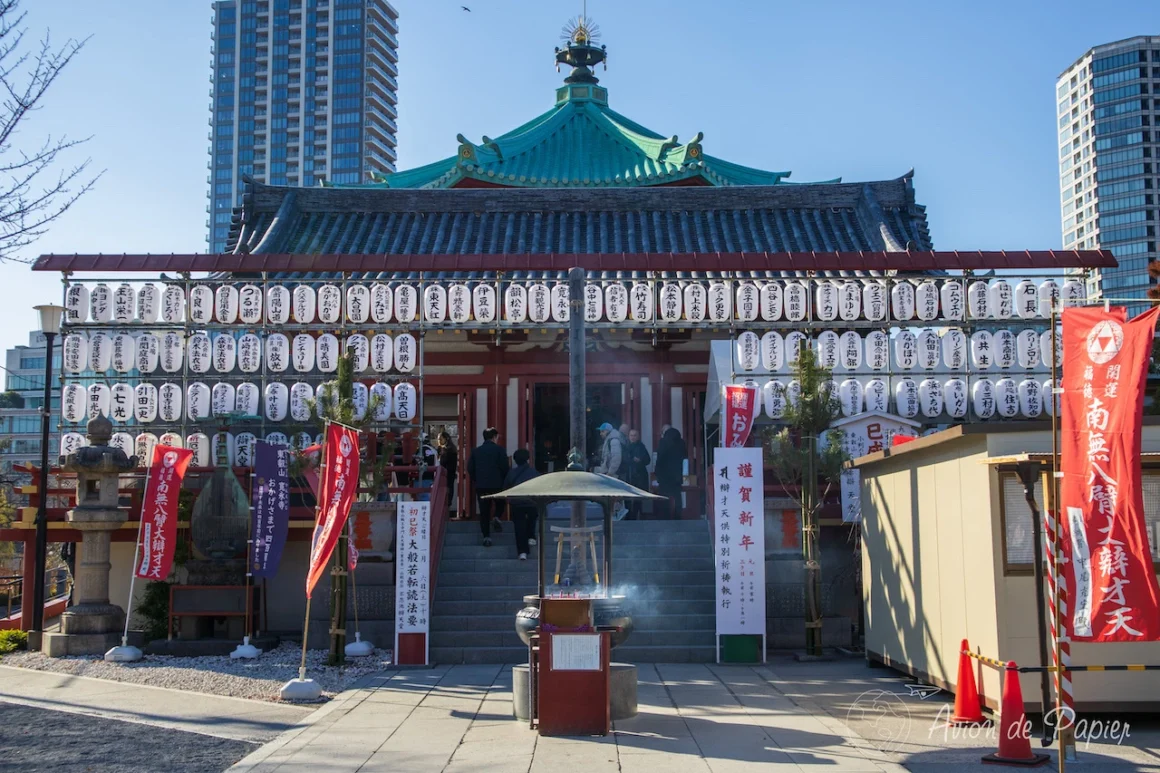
(271, 507)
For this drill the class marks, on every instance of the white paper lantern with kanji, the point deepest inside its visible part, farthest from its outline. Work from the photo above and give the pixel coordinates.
(539, 303)
(244, 445)
(326, 353)
(121, 403)
(171, 440)
(979, 300)
(827, 349)
(101, 303)
(770, 299)
(954, 349)
(1005, 348)
(850, 397)
(277, 398)
(850, 350)
(793, 393)
(199, 353)
(926, 298)
(329, 304)
(720, 302)
(902, 301)
(1072, 293)
(198, 442)
(225, 353)
(305, 304)
(459, 303)
(278, 353)
(850, 301)
(1030, 398)
(772, 351)
(515, 304)
(951, 300)
(148, 303)
(249, 353)
(71, 442)
(223, 398)
(406, 353)
(360, 398)
(303, 353)
(1006, 397)
(278, 304)
(906, 398)
(173, 304)
(1048, 354)
(74, 403)
(382, 396)
(247, 399)
(406, 303)
(278, 439)
(876, 395)
(877, 346)
(930, 397)
(360, 346)
(1002, 300)
(696, 302)
(955, 398)
(1027, 347)
(773, 397)
(795, 341)
(483, 303)
(874, 301)
(145, 403)
(796, 301)
(124, 303)
(301, 440)
(75, 353)
(143, 446)
(616, 302)
(670, 302)
(593, 302)
(226, 304)
(123, 441)
(641, 302)
(358, 304)
(382, 303)
(169, 402)
(1049, 398)
(826, 301)
(146, 353)
(435, 303)
(905, 350)
(405, 402)
(748, 351)
(300, 395)
(76, 304)
(197, 401)
(982, 349)
(1026, 300)
(100, 352)
(748, 302)
(250, 304)
(382, 352)
(1048, 297)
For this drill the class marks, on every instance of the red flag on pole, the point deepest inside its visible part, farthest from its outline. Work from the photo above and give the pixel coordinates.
(337, 491)
(1108, 569)
(740, 412)
(159, 511)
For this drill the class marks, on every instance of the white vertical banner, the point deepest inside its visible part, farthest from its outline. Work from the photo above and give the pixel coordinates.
(413, 573)
(851, 495)
(739, 541)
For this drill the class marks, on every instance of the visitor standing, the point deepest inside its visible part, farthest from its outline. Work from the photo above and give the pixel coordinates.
(487, 467)
(448, 458)
(638, 461)
(523, 510)
(669, 470)
(613, 461)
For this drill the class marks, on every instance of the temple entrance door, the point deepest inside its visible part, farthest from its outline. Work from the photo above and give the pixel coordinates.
(608, 402)
(453, 411)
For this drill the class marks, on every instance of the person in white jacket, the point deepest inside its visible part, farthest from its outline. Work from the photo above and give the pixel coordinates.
(613, 461)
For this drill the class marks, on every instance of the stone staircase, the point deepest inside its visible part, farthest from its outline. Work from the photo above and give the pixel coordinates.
(666, 567)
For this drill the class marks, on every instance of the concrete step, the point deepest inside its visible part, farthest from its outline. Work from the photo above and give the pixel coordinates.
(619, 539)
(627, 653)
(521, 579)
(650, 565)
(663, 609)
(697, 638)
(476, 655)
(461, 623)
(478, 639)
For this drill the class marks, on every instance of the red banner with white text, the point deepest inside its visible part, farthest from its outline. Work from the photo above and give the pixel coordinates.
(159, 511)
(1108, 566)
(336, 495)
(740, 412)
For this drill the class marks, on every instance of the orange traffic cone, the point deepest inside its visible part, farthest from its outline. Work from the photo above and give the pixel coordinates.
(968, 710)
(1014, 741)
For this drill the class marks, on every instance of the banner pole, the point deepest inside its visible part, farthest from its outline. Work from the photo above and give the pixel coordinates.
(305, 636)
(353, 582)
(1062, 656)
(136, 551)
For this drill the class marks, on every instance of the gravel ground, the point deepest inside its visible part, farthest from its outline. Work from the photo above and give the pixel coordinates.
(82, 743)
(260, 679)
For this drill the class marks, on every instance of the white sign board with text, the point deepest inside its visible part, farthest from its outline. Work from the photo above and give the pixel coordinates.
(739, 540)
(412, 570)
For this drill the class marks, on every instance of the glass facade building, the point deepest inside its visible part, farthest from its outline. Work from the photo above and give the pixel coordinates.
(1107, 109)
(20, 426)
(303, 91)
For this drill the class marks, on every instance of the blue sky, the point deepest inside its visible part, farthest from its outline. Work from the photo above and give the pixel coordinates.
(963, 93)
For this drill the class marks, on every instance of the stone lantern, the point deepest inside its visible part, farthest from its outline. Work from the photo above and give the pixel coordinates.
(92, 625)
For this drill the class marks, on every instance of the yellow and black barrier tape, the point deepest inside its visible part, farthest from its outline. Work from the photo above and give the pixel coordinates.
(1040, 669)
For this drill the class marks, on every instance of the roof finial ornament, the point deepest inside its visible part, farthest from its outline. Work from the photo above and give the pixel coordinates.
(581, 52)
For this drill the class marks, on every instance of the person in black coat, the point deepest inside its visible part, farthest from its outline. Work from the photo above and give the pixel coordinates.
(523, 511)
(487, 467)
(448, 458)
(638, 459)
(671, 455)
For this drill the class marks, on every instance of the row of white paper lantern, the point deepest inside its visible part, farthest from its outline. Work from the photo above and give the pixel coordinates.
(927, 350)
(222, 353)
(929, 398)
(145, 403)
(237, 449)
(540, 302)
